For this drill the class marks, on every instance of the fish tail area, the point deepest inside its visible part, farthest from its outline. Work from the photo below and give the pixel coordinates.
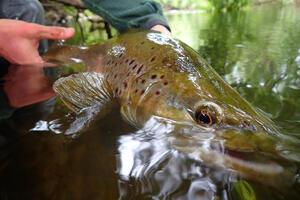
(83, 90)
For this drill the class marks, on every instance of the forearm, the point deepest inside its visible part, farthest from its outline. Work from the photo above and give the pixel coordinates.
(126, 14)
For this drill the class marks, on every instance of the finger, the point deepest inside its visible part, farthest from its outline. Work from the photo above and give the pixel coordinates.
(161, 29)
(55, 33)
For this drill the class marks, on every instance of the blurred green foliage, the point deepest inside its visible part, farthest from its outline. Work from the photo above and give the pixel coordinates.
(89, 27)
(228, 4)
(219, 5)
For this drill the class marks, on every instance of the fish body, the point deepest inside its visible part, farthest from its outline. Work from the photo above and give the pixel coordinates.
(153, 75)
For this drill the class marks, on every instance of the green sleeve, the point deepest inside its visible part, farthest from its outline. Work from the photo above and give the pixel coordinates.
(125, 14)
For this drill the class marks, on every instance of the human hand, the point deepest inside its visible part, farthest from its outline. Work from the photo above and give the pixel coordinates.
(161, 29)
(19, 40)
(26, 85)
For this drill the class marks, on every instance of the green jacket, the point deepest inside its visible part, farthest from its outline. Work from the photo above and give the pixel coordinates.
(125, 14)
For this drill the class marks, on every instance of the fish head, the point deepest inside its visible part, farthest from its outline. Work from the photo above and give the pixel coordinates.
(196, 94)
(209, 103)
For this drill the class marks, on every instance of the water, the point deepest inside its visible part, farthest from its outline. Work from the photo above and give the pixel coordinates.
(256, 51)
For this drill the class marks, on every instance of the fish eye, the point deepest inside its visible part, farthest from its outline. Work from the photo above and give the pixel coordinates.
(207, 113)
(204, 117)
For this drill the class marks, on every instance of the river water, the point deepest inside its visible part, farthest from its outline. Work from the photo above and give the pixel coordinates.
(257, 51)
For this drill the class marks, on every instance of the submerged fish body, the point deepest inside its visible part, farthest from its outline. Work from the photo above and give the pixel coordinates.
(153, 75)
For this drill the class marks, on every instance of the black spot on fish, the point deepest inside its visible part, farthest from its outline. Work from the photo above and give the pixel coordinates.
(116, 90)
(121, 54)
(162, 76)
(153, 76)
(134, 66)
(136, 91)
(166, 83)
(125, 85)
(152, 48)
(126, 61)
(116, 64)
(152, 59)
(140, 69)
(143, 81)
(131, 62)
(143, 42)
(108, 62)
(157, 92)
(142, 92)
(128, 74)
(115, 76)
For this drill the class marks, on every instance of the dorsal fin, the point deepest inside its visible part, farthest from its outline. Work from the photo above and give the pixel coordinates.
(83, 90)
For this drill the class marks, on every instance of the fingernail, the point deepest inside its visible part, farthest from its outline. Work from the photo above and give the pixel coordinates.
(69, 32)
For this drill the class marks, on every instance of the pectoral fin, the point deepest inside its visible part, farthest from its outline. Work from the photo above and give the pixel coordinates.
(83, 90)
(87, 94)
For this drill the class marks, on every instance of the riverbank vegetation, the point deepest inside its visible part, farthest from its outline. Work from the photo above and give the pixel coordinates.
(219, 5)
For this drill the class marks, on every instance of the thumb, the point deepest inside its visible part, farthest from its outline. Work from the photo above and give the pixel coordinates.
(55, 33)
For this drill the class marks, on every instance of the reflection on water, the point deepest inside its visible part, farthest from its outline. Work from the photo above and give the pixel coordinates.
(256, 51)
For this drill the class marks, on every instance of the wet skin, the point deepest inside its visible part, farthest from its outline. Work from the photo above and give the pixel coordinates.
(153, 75)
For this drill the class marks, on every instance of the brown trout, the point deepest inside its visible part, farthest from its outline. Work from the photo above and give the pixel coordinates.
(153, 75)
